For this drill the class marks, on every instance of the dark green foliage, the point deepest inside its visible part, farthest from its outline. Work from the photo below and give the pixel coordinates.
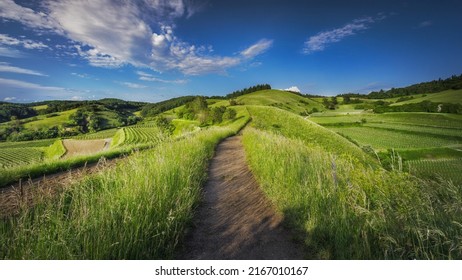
(425, 106)
(330, 104)
(165, 125)
(248, 90)
(154, 109)
(20, 111)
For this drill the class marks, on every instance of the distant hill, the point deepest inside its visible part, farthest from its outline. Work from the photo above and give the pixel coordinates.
(447, 96)
(452, 83)
(281, 99)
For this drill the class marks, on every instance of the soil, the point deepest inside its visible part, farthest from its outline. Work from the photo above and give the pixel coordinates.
(84, 147)
(235, 220)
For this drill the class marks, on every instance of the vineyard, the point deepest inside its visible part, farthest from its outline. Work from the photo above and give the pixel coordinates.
(138, 134)
(386, 139)
(452, 132)
(104, 134)
(18, 156)
(437, 169)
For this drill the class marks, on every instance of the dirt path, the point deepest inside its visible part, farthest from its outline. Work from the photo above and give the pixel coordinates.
(235, 220)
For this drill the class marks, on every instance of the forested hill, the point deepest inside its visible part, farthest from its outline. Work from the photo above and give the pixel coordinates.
(454, 82)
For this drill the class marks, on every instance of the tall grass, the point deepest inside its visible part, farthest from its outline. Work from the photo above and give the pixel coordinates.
(136, 210)
(55, 151)
(344, 209)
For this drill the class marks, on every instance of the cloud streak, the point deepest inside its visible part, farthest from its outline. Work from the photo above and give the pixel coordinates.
(25, 43)
(321, 40)
(5, 67)
(26, 85)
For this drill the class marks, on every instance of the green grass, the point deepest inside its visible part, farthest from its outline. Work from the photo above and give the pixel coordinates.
(448, 96)
(296, 127)
(27, 144)
(103, 134)
(342, 209)
(55, 151)
(420, 129)
(44, 122)
(11, 157)
(184, 126)
(438, 169)
(280, 99)
(137, 210)
(381, 139)
(422, 119)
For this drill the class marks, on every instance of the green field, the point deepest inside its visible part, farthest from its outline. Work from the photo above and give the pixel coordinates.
(448, 96)
(381, 139)
(103, 134)
(46, 122)
(438, 169)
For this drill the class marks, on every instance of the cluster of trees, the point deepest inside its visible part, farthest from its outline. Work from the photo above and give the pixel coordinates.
(238, 93)
(198, 110)
(151, 110)
(18, 111)
(331, 103)
(454, 82)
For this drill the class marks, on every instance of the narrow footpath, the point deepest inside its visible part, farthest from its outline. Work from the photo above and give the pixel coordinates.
(235, 220)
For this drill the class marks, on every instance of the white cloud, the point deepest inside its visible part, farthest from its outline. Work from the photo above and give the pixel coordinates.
(26, 43)
(293, 88)
(7, 52)
(319, 41)
(143, 76)
(9, 98)
(258, 48)
(26, 85)
(5, 67)
(132, 85)
(110, 33)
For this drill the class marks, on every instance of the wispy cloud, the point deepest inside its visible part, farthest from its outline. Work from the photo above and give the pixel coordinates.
(143, 76)
(6, 67)
(132, 85)
(258, 48)
(26, 85)
(426, 23)
(26, 43)
(321, 40)
(7, 52)
(111, 33)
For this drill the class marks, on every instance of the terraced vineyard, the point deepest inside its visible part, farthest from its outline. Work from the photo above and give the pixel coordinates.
(441, 168)
(137, 134)
(20, 153)
(19, 156)
(27, 144)
(418, 128)
(104, 134)
(385, 139)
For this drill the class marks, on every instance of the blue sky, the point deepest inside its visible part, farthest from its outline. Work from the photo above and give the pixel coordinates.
(152, 50)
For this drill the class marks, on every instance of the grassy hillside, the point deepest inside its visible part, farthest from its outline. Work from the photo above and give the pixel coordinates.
(343, 209)
(280, 99)
(448, 96)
